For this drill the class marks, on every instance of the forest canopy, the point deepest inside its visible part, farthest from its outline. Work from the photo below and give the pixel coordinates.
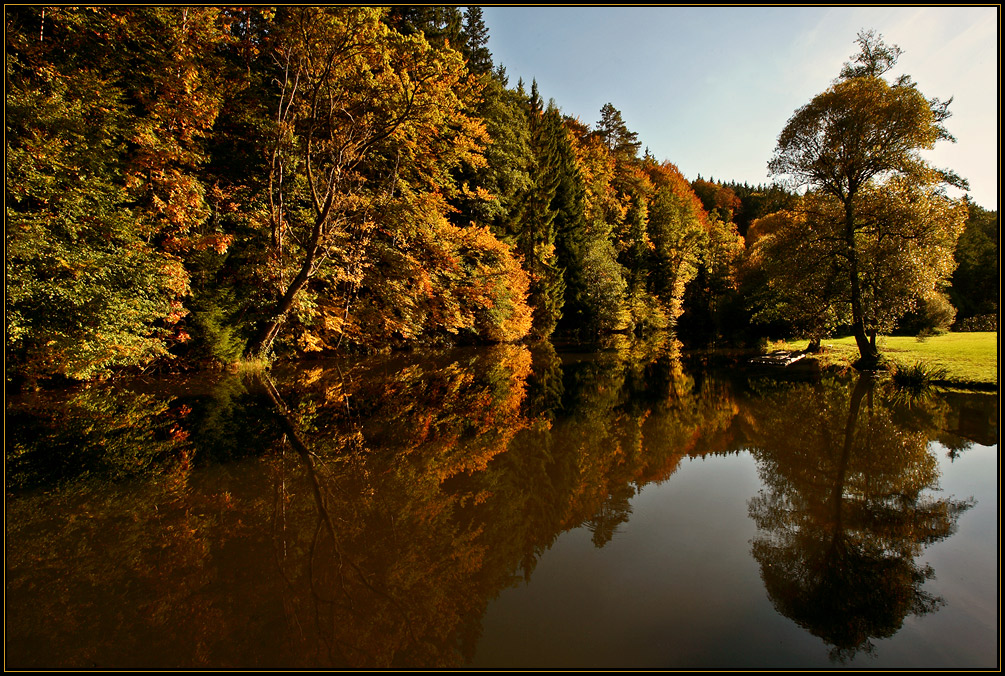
(193, 186)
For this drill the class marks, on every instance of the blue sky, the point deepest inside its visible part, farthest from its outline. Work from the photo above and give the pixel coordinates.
(710, 88)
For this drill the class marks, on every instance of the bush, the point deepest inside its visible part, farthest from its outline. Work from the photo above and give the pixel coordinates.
(978, 323)
(932, 315)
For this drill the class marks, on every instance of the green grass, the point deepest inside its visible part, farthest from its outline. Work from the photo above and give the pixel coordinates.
(968, 358)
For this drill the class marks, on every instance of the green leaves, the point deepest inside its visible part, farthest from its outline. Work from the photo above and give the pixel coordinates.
(86, 290)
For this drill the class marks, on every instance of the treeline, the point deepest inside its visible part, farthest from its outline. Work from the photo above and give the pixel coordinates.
(195, 185)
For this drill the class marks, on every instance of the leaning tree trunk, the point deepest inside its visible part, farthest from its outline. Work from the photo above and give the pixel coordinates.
(259, 347)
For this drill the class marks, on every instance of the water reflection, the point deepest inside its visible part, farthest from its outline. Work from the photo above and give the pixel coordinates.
(384, 552)
(365, 514)
(108, 435)
(847, 508)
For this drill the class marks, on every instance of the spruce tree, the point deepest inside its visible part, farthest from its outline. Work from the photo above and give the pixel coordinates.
(474, 42)
(570, 230)
(536, 230)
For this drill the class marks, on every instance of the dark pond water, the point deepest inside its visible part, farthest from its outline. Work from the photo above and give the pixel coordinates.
(505, 507)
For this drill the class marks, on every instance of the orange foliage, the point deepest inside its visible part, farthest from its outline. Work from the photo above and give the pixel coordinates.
(668, 175)
(717, 197)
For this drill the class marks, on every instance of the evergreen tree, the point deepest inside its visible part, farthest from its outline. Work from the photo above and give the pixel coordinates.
(474, 42)
(597, 296)
(441, 25)
(492, 194)
(612, 129)
(536, 234)
(570, 231)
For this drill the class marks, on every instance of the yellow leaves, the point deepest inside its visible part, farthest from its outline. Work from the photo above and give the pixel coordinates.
(479, 193)
(177, 312)
(332, 322)
(309, 376)
(133, 180)
(175, 277)
(145, 136)
(904, 237)
(308, 342)
(859, 129)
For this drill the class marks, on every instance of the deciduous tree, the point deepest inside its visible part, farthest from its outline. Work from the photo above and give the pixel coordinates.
(851, 141)
(101, 200)
(350, 90)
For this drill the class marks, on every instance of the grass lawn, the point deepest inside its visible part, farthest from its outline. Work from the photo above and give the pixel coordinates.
(969, 358)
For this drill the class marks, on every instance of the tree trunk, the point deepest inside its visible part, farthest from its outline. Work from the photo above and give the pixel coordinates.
(863, 386)
(869, 354)
(259, 347)
(324, 513)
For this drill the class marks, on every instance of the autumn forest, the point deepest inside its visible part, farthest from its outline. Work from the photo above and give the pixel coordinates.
(191, 187)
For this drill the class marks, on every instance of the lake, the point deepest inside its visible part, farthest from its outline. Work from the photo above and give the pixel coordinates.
(510, 506)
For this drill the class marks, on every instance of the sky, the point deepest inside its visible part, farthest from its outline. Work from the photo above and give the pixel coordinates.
(711, 88)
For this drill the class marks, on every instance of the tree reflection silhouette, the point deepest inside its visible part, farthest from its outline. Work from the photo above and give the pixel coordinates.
(615, 511)
(364, 514)
(388, 564)
(845, 512)
(425, 502)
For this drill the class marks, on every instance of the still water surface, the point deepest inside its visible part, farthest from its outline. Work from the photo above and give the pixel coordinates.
(503, 507)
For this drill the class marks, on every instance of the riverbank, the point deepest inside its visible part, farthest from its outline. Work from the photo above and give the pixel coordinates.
(970, 360)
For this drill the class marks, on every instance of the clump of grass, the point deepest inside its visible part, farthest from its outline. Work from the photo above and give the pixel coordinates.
(249, 366)
(918, 376)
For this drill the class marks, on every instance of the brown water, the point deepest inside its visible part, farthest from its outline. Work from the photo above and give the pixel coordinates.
(502, 507)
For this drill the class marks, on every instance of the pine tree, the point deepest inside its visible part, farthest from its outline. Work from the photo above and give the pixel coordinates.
(440, 24)
(612, 129)
(532, 221)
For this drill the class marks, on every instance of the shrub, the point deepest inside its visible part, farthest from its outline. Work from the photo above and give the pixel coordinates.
(979, 323)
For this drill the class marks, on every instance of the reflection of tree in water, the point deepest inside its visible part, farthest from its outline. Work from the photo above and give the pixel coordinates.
(101, 433)
(93, 559)
(632, 416)
(970, 419)
(615, 511)
(354, 516)
(544, 385)
(380, 536)
(413, 535)
(845, 512)
(197, 538)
